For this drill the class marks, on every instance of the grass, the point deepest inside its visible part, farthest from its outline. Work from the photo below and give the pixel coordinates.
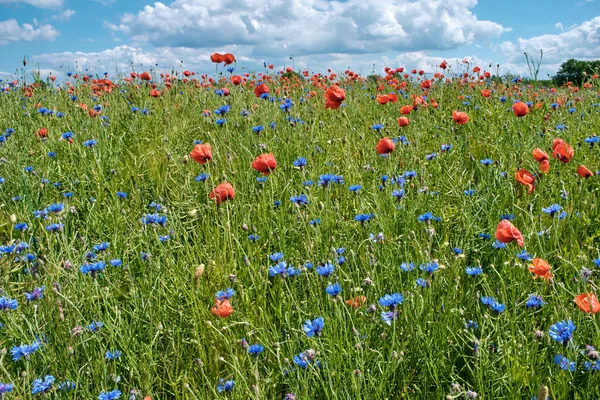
(156, 310)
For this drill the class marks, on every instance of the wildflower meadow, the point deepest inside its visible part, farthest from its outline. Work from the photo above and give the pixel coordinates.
(281, 234)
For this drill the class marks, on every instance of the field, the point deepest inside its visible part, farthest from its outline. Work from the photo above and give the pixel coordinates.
(447, 265)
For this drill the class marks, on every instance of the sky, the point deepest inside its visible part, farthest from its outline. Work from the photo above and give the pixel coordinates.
(60, 36)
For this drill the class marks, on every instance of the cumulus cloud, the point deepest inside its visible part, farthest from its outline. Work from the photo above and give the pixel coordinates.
(36, 3)
(64, 16)
(579, 41)
(12, 31)
(273, 28)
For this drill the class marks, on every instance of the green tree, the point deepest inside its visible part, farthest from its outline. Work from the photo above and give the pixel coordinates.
(575, 71)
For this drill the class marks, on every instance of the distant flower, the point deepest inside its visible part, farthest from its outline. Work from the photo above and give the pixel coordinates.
(112, 355)
(122, 195)
(429, 267)
(473, 271)
(552, 210)
(534, 301)
(112, 395)
(42, 385)
(407, 266)
(275, 257)
(333, 289)
(355, 188)
(6, 388)
(8, 304)
(362, 218)
(225, 294)
(255, 349)
(564, 363)
(389, 316)
(487, 161)
(36, 294)
(524, 256)
(492, 304)
(300, 162)
(423, 283)
(25, 350)
(95, 326)
(325, 270)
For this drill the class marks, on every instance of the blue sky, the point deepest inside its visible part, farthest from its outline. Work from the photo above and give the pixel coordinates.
(111, 34)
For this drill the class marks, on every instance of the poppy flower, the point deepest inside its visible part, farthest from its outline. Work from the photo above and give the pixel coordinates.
(334, 96)
(261, 89)
(405, 110)
(520, 109)
(264, 163)
(460, 117)
(562, 151)
(588, 303)
(145, 76)
(154, 93)
(403, 121)
(539, 155)
(216, 58)
(393, 97)
(385, 146)
(357, 301)
(222, 193)
(42, 132)
(486, 93)
(202, 153)
(583, 172)
(383, 99)
(222, 308)
(506, 232)
(545, 166)
(236, 79)
(526, 178)
(228, 58)
(540, 268)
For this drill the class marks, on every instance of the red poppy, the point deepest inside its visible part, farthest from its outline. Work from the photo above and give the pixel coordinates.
(187, 73)
(443, 64)
(539, 155)
(357, 301)
(393, 97)
(222, 193)
(588, 303)
(562, 151)
(405, 110)
(583, 172)
(228, 58)
(154, 93)
(383, 99)
(216, 58)
(222, 308)
(486, 93)
(520, 109)
(42, 132)
(526, 178)
(261, 89)
(385, 146)
(264, 163)
(202, 153)
(541, 269)
(545, 166)
(145, 76)
(236, 79)
(460, 117)
(506, 232)
(334, 96)
(403, 121)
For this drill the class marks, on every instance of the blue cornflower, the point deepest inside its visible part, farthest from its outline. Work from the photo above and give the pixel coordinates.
(552, 210)
(534, 301)
(95, 326)
(315, 222)
(154, 219)
(101, 247)
(492, 303)
(326, 179)
(24, 350)
(524, 256)
(51, 154)
(253, 237)
(469, 192)
(429, 267)
(258, 129)
(92, 268)
(36, 294)
(471, 325)
(66, 386)
(300, 200)
(255, 349)
(68, 195)
(55, 208)
(21, 226)
(377, 127)
(457, 251)
(473, 271)
(562, 331)
(6, 388)
(325, 270)
(564, 363)
(487, 161)
(279, 269)
(116, 262)
(333, 289)
(389, 316)
(121, 195)
(425, 217)
(90, 143)
(261, 179)
(202, 177)
(314, 327)
(112, 395)
(220, 122)
(431, 156)
(299, 162)
(445, 147)
(391, 300)
(8, 304)
(225, 294)
(275, 257)
(484, 236)
(355, 188)
(422, 283)
(54, 227)
(362, 218)
(499, 245)
(398, 194)
(113, 355)
(592, 139)
(42, 385)
(407, 266)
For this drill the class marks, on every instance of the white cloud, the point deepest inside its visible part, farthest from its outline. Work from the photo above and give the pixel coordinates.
(12, 31)
(579, 41)
(560, 26)
(105, 2)
(273, 28)
(64, 16)
(37, 3)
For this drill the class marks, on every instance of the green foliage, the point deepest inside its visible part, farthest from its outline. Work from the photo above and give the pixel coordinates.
(576, 71)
